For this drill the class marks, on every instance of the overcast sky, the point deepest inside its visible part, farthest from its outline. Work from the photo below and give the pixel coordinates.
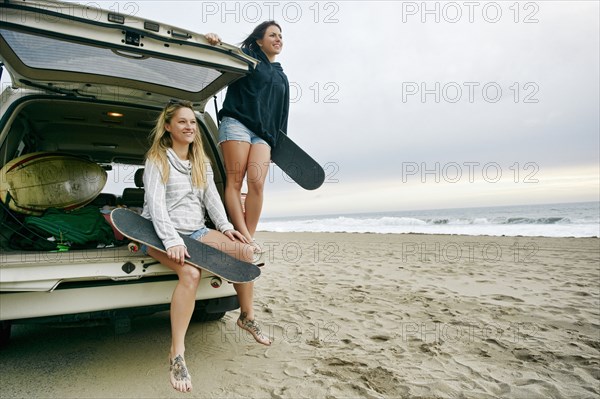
(413, 105)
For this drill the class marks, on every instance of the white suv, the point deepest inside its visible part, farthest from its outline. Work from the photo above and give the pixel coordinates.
(90, 83)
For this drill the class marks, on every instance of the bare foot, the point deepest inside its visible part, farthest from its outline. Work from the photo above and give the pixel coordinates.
(253, 328)
(179, 375)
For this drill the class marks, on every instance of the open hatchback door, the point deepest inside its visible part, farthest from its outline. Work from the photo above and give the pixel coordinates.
(84, 51)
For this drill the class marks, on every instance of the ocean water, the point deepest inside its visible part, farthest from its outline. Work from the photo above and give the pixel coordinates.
(548, 220)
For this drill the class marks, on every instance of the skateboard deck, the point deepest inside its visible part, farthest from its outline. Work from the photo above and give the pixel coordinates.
(297, 164)
(202, 256)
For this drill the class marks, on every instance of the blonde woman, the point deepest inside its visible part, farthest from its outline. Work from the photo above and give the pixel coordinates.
(179, 190)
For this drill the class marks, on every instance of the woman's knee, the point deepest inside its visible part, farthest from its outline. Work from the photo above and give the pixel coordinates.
(234, 183)
(256, 186)
(241, 251)
(190, 276)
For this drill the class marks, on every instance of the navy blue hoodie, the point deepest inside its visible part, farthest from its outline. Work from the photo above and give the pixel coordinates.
(260, 100)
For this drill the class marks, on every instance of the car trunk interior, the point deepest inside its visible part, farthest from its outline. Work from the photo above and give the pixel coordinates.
(106, 133)
(103, 133)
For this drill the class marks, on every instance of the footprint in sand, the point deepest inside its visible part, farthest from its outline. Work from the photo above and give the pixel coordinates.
(293, 371)
(525, 355)
(381, 338)
(582, 293)
(496, 342)
(506, 298)
(592, 343)
(369, 382)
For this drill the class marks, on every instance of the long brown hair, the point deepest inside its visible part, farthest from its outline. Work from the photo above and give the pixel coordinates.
(161, 141)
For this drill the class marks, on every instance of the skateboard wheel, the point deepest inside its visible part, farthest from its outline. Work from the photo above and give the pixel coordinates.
(215, 282)
(133, 247)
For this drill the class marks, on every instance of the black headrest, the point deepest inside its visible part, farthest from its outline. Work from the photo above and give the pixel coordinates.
(138, 178)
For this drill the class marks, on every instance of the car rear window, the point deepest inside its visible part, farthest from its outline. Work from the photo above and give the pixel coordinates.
(48, 53)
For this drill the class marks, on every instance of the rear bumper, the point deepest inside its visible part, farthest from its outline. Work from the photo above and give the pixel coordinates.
(118, 316)
(88, 299)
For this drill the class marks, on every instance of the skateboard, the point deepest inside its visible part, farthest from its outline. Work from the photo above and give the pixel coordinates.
(202, 256)
(296, 163)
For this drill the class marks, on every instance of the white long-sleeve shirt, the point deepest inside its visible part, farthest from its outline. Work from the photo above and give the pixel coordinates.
(178, 206)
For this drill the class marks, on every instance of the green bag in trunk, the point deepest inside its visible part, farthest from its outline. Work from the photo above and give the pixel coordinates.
(80, 226)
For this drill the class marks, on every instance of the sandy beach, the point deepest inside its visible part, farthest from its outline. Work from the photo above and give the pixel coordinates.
(357, 316)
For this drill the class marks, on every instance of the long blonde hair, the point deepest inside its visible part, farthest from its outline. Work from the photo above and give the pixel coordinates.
(161, 141)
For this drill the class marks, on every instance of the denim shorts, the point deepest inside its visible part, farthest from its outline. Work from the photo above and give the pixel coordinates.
(232, 129)
(196, 235)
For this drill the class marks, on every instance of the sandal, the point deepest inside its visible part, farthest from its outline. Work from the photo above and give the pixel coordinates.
(179, 374)
(253, 328)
